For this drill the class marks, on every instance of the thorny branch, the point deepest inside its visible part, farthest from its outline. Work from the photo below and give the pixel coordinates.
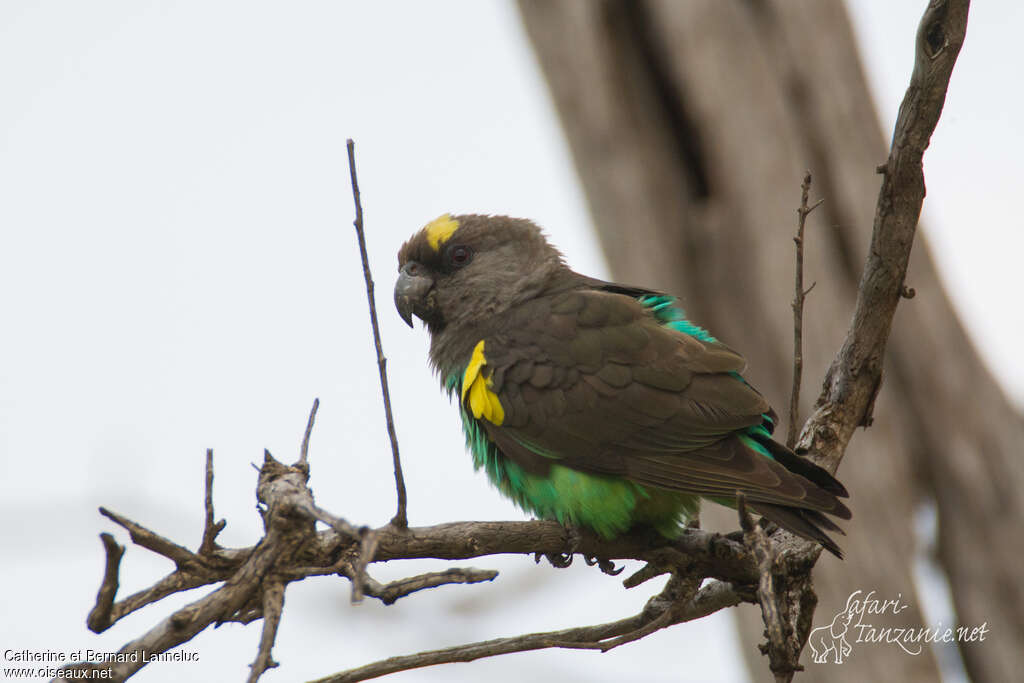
(253, 580)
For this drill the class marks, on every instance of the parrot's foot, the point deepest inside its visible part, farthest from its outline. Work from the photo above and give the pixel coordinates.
(557, 560)
(573, 539)
(768, 526)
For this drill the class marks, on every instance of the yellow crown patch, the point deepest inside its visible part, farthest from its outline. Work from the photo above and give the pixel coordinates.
(440, 230)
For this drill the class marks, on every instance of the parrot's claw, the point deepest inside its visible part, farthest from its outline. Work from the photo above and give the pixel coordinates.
(606, 566)
(573, 539)
(557, 560)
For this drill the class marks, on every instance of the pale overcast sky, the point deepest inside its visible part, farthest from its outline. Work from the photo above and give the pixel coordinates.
(178, 271)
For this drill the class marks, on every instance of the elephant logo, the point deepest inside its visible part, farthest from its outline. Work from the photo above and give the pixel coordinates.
(831, 639)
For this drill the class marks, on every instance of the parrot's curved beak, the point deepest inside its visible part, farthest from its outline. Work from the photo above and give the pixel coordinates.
(413, 292)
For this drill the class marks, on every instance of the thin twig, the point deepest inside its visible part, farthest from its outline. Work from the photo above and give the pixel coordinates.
(677, 594)
(400, 519)
(304, 450)
(390, 592)
(798, 310)
(210, 528)
(663, 620)
(486, 648)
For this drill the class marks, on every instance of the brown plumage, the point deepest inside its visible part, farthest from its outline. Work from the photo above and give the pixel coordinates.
(610, 382)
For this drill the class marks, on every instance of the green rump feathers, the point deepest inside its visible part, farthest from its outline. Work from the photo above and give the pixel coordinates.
(608, 505)
(593, 403)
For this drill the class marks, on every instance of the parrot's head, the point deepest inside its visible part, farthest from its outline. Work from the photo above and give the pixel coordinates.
(462, 269)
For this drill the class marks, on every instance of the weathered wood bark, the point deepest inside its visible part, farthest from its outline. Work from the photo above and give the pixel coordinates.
(691, 124)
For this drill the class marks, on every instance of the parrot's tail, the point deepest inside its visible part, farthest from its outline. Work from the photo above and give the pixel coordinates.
(810, 524)
(806, 523)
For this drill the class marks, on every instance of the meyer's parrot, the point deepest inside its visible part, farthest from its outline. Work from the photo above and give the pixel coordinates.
(594, 403)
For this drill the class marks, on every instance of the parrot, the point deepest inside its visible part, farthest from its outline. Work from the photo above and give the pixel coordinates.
(592, 403)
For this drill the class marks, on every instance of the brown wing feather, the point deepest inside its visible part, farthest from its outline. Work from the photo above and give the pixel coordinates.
(593, 379)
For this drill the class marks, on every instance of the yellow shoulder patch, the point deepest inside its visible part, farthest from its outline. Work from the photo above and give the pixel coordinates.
(440, 230)
(483, 402)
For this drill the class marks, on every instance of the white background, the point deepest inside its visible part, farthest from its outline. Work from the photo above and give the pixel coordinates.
(178, 271)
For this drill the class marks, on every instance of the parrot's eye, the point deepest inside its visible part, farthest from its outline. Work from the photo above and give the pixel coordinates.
(459, 255)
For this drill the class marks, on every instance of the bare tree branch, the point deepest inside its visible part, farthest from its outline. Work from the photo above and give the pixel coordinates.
(852, 382)
(254, 579)
(676, 596)
(273, 605)
(713, 597)
(390, 592)
(798, 310)
(783, 651)
(181, 556)
(400, 519)
(100, 617)
(304, 449)
(279, 488)
(176, 582)
(695, 550)
(210, 528)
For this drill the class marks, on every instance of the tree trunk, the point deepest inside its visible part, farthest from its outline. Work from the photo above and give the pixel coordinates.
(691, 124)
